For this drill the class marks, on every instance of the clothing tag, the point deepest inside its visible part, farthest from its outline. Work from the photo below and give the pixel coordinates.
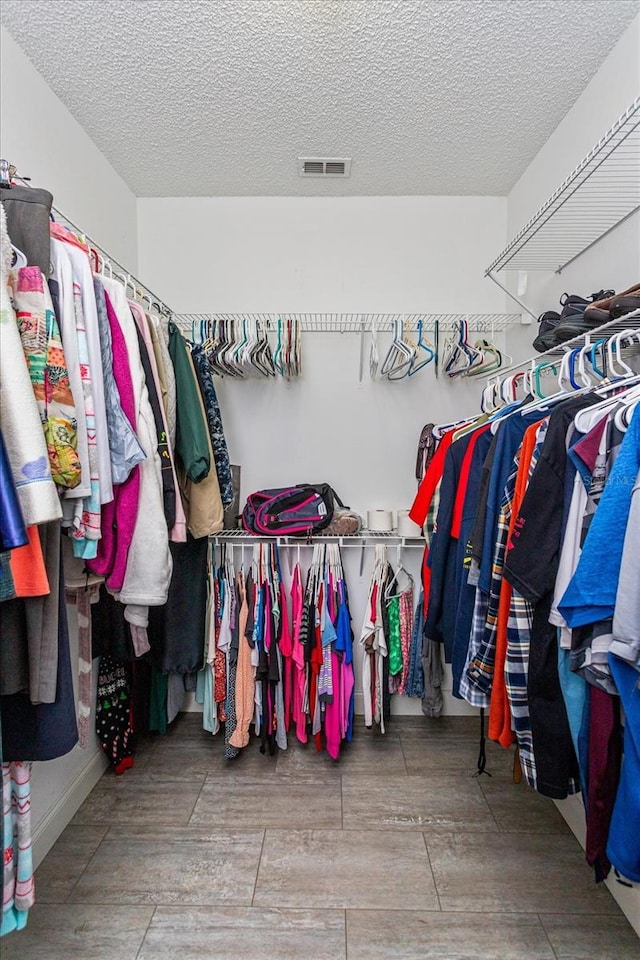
(322, 509)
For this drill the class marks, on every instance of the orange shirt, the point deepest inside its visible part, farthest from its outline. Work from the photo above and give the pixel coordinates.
(27, 567)
(499, 710)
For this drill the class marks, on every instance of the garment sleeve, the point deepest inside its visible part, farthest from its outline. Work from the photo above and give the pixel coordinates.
(440, 550)
(533, 551)
(591, 594)
(192, 437)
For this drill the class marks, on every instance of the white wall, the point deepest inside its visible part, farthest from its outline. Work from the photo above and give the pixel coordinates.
(360, 254)
(613, 262)
(39, 135)
(44, 141)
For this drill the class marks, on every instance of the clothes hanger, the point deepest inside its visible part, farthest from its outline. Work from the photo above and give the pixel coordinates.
(614, 347)
(464, 356)
(400, 355)
(278, 351)
(488, 398)
(20, 258)
(631, 393)
(418, 365)
(263, 358)
(491, 359)
(374, 357)
(400, 568)
(564, 387)
(450, 350)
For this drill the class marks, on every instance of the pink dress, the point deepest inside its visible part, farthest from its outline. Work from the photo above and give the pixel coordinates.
(297, 657)
(119, 516)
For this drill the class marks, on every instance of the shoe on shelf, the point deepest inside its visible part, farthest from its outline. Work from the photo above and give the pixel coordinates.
(599, 311)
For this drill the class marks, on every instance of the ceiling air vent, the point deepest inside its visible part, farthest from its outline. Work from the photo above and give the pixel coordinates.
(319, 167)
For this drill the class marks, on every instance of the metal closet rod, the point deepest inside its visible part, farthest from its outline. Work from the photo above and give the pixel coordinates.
(360, 323)
(109, 261)
(141, 288)
(604, 332)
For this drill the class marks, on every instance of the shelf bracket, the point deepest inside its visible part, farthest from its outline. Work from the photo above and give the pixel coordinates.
(526, 309)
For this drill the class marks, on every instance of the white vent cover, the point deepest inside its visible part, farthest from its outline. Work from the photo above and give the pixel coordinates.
(324, 167)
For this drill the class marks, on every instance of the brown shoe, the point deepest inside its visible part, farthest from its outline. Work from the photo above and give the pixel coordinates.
(597, 312)
(606, 303)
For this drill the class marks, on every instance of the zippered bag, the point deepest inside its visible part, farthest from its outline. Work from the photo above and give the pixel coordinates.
(296, 511)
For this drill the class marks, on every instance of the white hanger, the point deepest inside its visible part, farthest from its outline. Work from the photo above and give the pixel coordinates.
(21, 260)
(614, 347)
(400, 356)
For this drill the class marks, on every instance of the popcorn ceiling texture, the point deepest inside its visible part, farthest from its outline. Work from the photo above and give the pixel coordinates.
(199, 98)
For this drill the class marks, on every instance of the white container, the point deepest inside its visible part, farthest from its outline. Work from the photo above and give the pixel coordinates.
(380, 521)
(406, 526)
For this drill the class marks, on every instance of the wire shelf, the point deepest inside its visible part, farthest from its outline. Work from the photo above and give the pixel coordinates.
(350, 539)
(195, 323)
(606, 330)
(602, 192)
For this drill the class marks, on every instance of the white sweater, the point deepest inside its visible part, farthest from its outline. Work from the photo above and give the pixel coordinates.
(19, 415)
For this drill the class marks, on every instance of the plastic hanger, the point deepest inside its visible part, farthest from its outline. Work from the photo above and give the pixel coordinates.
(400, 568)
(278, 351)
(595, 348)
(417, 364)
(400, 355)
(614, 348)
(21, 260)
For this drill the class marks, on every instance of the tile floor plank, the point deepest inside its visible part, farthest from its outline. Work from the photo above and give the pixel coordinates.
(423, 935)
(223, 933)
(382, 757)
(345, 869)
(220, 870)
(519, 809)
(591, 938)
(138, 800)
(63, 866)
(79, 932)
(268, 801)
(414, 803)
(528, 873)
(453, 756)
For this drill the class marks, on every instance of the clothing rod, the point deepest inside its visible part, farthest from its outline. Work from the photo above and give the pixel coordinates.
(106, 257)
(111, 261)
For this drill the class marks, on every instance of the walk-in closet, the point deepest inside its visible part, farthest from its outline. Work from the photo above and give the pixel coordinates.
(320, 479)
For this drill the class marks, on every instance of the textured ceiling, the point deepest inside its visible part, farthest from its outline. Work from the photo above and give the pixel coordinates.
(190, 97)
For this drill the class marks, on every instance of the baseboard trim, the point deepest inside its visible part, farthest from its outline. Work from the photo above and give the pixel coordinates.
(627, 898)
(65, 807)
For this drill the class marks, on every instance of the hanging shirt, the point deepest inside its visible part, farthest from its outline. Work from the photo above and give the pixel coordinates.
(432, 477)
(42, 346)
(500, 725)
(84, 278)
(591, 595)
(531, 567)
(626, 619)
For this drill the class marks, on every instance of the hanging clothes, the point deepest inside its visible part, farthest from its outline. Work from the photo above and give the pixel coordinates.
(44, 731)
(18, 887)
(533, 538)
(21, 425)
(148, 570)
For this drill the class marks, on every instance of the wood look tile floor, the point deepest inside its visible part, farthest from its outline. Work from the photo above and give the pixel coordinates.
(395, 852)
